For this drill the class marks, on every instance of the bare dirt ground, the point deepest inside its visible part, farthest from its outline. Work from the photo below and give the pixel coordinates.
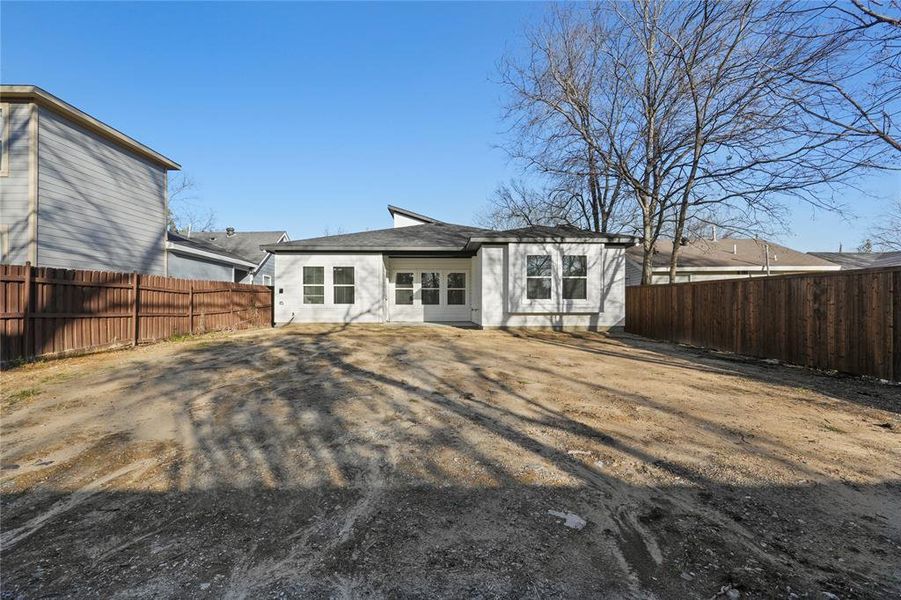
(423, 462)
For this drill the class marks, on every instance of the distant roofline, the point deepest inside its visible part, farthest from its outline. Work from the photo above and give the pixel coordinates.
(32, 93)
(409, 213)
(240, 231)
(178, 243)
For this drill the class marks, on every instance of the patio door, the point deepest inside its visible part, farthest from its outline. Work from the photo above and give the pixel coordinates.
(428, 293)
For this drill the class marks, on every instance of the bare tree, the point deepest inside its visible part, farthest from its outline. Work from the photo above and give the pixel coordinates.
(885, 233)
(689, 111)
(186, 213)
(555, 95)
(857, 91)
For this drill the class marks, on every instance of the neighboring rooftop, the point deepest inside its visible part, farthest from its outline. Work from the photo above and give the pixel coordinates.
(734, 253)
(245, 244)
(861, 260)
(193, 245)
(32, 93)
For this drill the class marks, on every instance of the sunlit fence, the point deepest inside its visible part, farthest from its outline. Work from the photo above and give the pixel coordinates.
(848, 321)
(48, 312)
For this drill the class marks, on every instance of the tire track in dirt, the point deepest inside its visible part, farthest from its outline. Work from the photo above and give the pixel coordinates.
(246, 578)
(9, 539)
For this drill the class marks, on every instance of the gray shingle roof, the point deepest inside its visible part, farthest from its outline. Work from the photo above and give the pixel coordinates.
(428, 237)
(432, 237)
(861, 260)
(245, 244)
(200, 244)
(557, 231)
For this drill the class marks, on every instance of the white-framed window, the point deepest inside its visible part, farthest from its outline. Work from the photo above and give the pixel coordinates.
(267, 279)
(430, 292)
(538, 277)
(343, 285)
(314, 285)
(403, 288)
(456, 288)
(575, 277)
(4, 139)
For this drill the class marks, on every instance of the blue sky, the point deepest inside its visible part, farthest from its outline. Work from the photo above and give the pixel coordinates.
(310, 117)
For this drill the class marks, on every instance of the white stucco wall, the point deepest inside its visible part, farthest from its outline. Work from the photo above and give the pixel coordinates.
(503, 301)
(405, 221)
(369, 282)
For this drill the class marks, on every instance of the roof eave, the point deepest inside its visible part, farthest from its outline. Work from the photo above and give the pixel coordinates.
(616, 240)
(320, 249)
(191, 250)
(32, 93)
(755, 268)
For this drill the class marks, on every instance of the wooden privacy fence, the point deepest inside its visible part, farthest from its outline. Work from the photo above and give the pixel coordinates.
(47, 312)
(847, 321)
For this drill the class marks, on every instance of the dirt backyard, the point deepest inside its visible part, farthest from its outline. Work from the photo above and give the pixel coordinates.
(438, 462)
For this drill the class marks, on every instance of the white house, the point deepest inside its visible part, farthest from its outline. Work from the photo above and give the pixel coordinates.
(425, 270)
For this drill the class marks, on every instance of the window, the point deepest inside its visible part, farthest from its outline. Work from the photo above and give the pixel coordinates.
(314, 285)
(343, 283)
(538, 277)
(456, 288)
(267, 279)
(403, 288)
(575, 277)
(4, 139)
(431, 284)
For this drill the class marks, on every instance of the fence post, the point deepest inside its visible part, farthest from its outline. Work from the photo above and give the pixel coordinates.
(191, 309)
(27, 329)
(134, 308)
(272, 305)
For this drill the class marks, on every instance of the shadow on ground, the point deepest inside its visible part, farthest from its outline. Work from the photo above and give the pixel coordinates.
(349, 462)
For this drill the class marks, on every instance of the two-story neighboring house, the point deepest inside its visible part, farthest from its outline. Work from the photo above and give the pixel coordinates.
(76, 193)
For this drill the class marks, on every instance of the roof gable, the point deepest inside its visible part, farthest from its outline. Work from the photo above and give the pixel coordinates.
(32, 93)
(407, 218)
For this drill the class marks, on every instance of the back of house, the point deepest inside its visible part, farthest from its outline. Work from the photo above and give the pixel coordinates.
(426, 270)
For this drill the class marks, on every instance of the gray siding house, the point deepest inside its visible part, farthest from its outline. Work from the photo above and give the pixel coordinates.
(75, 192)
(194, 258)
(224, 255)
(247, 245)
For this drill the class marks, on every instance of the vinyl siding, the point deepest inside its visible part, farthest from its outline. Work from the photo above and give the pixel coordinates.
(633, 271)
(99, 205)
(268, 268)
(14, 186)
(192, 267)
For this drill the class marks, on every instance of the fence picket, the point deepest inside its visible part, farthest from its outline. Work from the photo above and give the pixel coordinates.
(46, 312)
(847, 321)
